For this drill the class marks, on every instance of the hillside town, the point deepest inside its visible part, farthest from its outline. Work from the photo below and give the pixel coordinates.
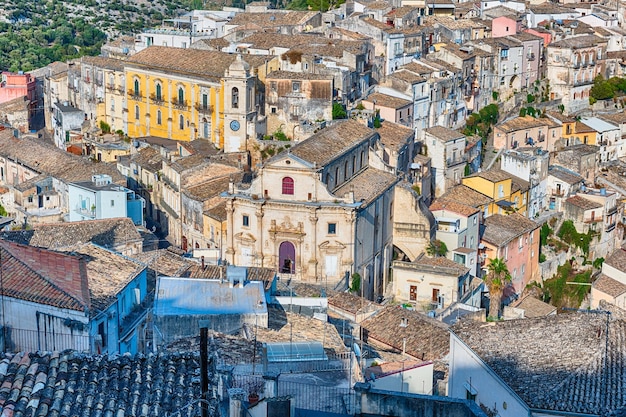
(378, 208)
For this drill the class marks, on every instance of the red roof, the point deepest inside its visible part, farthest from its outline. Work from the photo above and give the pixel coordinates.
(43, 276)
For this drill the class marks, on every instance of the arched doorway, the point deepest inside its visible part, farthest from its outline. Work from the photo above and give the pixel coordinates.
(287, 258)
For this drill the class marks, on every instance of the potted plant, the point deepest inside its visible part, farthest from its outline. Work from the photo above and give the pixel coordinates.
(254, 387)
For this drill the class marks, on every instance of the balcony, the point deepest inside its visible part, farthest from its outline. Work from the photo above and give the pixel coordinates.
(156, 100)
(111, 88)
(592, 220)
(558, 193)
(180, 105)
(610, 227)
(135, 95)
(462, 159)
(204, 109)
(85, 212)
(611, 211)
(531, 57)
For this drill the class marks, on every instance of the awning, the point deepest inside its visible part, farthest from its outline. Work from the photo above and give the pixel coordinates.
(504, 203)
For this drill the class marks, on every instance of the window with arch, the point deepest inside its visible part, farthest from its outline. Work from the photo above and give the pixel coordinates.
(159, 92)
(136, 86)
(181, 95)
(158, 117)
(362, 159)
(345, 171)
(181, 122)
(288, 186)
(136, 112)
(336, 176)
(235, 98)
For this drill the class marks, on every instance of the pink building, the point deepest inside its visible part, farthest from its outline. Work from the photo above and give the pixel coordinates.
(514, 239)
(505, 26)
(542, 33)
(15, 86)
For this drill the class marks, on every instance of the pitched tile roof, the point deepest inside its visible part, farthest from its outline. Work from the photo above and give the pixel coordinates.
(533, 307)
(556, 362)
(164, 262)
(385, 100)
(148, 158)
(467, 195)
(617, 260)
(520, 123)
(426, 338)
(493, 175)
(69, 383)
(109, 233)
(206, 64)
(45, 158)
(583, 203)
(367, 185)
(44, 277)
(453, 206)
(500, 229)
(564, 174)
(108, 273)
(331, 142)
(441, 264)
(291, 75)
(395, 136)
(444, 133)
(609, 286)
(577, 42)
(351, 303)
(273, 18)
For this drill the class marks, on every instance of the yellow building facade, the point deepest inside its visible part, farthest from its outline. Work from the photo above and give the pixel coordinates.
(507, 196)
(189, 94)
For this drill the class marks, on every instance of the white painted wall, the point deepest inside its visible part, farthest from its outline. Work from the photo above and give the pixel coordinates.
(415, 381)
(466, 369)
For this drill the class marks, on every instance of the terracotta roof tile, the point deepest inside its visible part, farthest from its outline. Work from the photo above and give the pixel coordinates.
(453, 206)
(351, 303)
(110, 233)
(556, 363)
(609, 286)
(331, 142)
(443, 133)
(395, 136)
(367, 185)
(533, 307)
(617, 260)
(45, 384)
(501, 229)
(468, 195)
(385, 100)
(583, 203)
(426, 338)
(53, 278)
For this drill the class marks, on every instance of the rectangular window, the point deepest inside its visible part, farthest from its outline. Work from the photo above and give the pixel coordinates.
(246, 220)
(205, 101)
(295, 86)
(500, 191)
(413, 293)
(332, 228)
(112, 203)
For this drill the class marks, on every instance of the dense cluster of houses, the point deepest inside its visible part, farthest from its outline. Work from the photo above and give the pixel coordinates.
(334, 187)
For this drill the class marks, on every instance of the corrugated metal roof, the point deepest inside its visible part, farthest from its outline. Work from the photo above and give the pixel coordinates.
(193, 296)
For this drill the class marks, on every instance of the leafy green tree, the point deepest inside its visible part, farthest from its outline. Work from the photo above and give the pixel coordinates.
(601, 89)
(356, 283)
(496, 280)
(3, 211)
(436, 248)
(324, 5)
(339, 112)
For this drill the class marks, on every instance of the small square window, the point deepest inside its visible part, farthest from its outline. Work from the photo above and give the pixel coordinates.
(273, 110)
(295, 86)
(246, 220)
(332, 228)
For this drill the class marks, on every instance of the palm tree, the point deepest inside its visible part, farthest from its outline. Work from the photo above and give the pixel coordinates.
(497, 278)
(436, 248)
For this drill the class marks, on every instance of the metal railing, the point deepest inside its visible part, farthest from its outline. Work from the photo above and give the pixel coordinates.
(19, 340)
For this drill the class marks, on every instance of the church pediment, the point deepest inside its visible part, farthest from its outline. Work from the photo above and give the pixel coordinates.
(332, 245)
(245, 237)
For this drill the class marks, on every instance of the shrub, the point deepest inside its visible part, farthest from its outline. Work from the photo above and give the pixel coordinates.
(105, 127)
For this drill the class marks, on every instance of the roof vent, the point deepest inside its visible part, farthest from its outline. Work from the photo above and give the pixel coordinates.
(404, 322)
